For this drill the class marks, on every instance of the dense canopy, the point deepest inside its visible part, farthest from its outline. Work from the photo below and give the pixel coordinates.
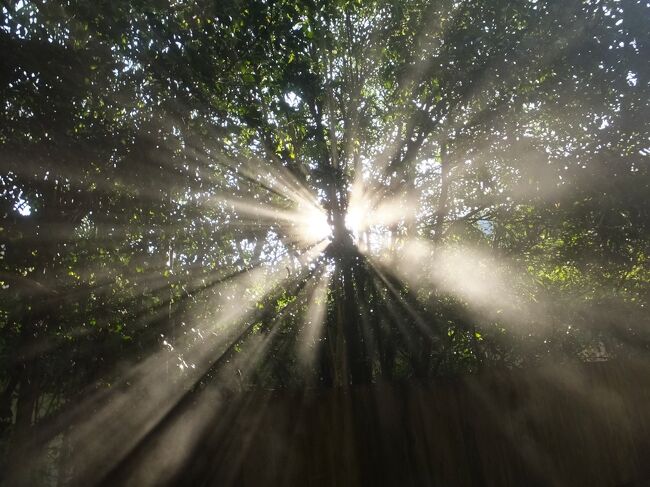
(281, 194)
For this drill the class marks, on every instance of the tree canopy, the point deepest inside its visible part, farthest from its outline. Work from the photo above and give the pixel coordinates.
(295, 194)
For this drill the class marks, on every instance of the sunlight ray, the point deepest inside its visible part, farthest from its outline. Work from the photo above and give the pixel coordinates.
(475, 277)
(314, 319)
(149, 377)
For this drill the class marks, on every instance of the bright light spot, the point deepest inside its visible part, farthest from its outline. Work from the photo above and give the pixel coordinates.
(359, 209)
(22, 207)
(631, 78)
(354, 221)
(371, 222)
(315, 227)
(292, 99)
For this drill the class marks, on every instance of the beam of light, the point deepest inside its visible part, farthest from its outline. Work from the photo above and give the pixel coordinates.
(306, 225)
(411, 82)
(261, 173)
(473, 276)
(250, 406)
(250, 348)
(358, 212)
(190, 424)
(256, 173)
(112, 421)
(201, 427)
(366, 316)
(313, 226)
(314, 319)
(394, 292)
(468, 106)
(373, 215)
(104, 281)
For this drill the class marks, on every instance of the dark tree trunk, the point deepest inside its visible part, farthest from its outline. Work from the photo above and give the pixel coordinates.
(356, 348)
(6, 399)
(19, 470)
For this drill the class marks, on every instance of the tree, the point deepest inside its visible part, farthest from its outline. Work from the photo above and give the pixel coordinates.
(468, 179)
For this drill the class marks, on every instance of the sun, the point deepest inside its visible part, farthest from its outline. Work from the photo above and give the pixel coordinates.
(315, 226)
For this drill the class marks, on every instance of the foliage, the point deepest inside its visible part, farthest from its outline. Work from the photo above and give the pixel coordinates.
(151, 151)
